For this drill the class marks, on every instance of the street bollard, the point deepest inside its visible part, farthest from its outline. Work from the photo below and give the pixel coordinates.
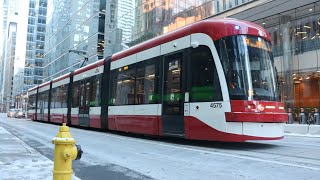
(290, 118)
(302, 118)
(65, 151)
(317, 118)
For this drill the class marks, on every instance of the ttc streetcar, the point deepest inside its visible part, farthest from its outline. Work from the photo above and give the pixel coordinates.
(212, 80)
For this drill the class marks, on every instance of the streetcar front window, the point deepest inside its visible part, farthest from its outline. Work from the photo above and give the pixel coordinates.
(248, 66)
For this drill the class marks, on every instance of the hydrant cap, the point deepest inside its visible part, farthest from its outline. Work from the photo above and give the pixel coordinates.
(64, 132)
(64, 128)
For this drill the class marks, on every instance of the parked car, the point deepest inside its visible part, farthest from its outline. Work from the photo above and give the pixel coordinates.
(11, 113)
(20, 113)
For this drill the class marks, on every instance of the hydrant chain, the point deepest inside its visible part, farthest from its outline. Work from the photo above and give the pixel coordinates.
(65, 151)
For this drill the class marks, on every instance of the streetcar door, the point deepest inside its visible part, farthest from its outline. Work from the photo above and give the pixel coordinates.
(172, 97)
(84, 103)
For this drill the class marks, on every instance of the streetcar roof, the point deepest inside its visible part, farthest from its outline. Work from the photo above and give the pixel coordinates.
(215, 28)
(61, 78)
(32, 89)
(44, 84)
(89, 67)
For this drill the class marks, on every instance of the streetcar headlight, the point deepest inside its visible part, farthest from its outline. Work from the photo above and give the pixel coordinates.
(260, 107)
(252, 107)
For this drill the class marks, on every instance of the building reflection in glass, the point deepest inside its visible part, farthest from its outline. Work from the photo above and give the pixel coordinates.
(296, 48)
(130, 22)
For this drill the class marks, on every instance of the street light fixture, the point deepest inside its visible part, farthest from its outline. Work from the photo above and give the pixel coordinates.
(81, 53)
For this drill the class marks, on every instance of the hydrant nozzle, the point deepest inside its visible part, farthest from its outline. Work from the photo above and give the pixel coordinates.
(65, 151)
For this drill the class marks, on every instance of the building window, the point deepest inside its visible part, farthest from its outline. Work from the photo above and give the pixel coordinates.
(30, 37)
(42, 11)
(30, 29)
(32, 4)
(31, 21)
(41, 29)
(41, 20)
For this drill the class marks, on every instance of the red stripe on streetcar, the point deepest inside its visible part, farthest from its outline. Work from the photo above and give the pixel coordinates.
(256, 117)
(61, 78)
(57, 118)
(89, 67)
(44, 84)
(136, 124)
(95, 121)
(75, 119)
(195, 129)
(46, 117)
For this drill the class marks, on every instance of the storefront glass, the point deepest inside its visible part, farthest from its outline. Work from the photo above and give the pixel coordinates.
(296, 48)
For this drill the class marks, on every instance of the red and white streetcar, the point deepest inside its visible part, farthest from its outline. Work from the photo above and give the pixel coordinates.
(211, 80)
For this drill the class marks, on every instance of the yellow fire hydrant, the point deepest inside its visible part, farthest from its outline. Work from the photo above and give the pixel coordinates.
(65, 151)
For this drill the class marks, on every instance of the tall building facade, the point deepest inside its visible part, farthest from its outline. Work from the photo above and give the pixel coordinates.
(23, 48)
(9, 53)
(36, 28)
(102, 28)
(146, 19)
(3, 17)
(119, 25)
(73, 25)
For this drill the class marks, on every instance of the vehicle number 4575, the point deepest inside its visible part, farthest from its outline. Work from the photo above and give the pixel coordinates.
(216, 105)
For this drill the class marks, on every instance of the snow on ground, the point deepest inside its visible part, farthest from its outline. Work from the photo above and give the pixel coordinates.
(19, 161)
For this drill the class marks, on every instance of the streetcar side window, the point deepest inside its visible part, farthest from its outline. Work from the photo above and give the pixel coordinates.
(146, 83)
(75, 94)
(64, 96)
(205, 84)
(59, 96)
(46, 99)
(123, 85)
(31, 102)
(39, 99)
(95, 91)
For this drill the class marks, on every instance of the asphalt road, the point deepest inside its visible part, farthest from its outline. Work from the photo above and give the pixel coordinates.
(119, 156)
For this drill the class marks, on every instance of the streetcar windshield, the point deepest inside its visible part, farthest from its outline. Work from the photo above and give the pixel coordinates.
(248, 66)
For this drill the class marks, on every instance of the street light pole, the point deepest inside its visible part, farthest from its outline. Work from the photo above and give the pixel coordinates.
(81, 53)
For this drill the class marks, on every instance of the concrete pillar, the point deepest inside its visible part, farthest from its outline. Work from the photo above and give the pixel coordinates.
(290, 118)
(317, 118)
(302, 118)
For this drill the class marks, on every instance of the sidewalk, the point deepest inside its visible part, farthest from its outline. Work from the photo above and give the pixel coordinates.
(302, 130)
(19, 161)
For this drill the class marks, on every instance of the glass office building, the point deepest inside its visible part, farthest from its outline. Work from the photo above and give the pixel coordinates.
(129, 22)
(34, 58)
(101, 28)
(294, 27)
(77, 25)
